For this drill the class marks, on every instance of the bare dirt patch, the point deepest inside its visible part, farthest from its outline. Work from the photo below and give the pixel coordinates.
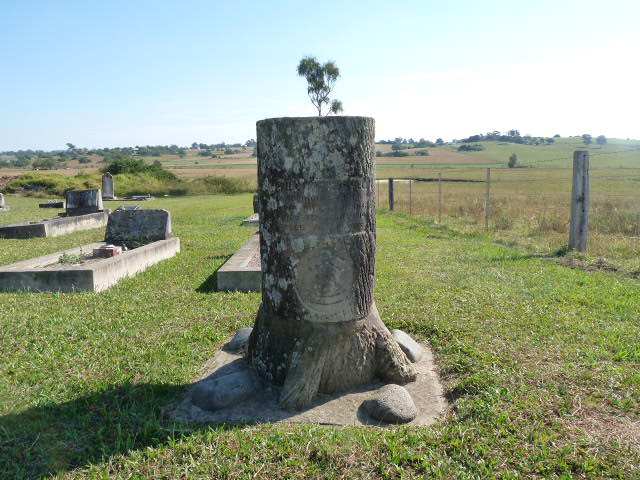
(598, 266)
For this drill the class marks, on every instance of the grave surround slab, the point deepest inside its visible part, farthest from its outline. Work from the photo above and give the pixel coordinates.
(242, 271)
(54, 227)
(251, 221)
(43, 274)
(47, 274)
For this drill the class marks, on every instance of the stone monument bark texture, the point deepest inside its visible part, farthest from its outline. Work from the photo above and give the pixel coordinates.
(318, 329)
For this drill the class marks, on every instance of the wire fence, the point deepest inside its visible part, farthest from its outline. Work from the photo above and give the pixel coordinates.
(504, 199)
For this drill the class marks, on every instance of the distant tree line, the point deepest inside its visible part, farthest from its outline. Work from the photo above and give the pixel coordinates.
(400, 143)
(588, 139)
(512, 136)
(54, 159)
(465, 147)
(403, 153)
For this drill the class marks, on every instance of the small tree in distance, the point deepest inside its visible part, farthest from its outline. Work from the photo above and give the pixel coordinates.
(513, 161)
(586, 138)
(601, 140)
(320, 79)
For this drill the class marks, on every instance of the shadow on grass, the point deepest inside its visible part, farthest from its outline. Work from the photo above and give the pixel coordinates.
(51, 439)
(211, 283)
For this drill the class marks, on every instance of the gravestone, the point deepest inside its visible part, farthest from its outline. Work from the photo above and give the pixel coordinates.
(82, 202)
(134, 228)
(51, 204)
(108, 189)
(318, 329)
(1, 201)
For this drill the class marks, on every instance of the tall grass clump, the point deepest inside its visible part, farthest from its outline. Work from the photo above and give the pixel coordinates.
(225, 185)
(127, 184)
(36, 184)
(123, 164)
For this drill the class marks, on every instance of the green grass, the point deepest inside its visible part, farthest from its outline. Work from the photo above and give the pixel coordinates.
(540, 363)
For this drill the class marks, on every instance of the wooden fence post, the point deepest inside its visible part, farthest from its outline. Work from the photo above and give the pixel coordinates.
(410, 202)
(487, 201)
(439, 197)
(391, 197)
(579, 231)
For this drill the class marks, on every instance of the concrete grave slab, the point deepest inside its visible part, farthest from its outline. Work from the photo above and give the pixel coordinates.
(342, 409)
(46, 274)
(242, 271)
(55, 226)
(252, 221)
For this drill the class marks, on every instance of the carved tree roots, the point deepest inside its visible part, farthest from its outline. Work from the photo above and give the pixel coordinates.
(325, 358)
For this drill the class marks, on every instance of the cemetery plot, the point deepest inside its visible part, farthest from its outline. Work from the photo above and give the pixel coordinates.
(252, 221)
(143, 238)
(242, 271)
(84, 211)
(54, 227)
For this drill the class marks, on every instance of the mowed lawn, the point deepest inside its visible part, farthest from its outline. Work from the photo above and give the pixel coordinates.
(540, 363)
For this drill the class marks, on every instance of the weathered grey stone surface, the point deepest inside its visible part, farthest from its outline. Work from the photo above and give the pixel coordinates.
(391, 404)
(220, 392)
(44, 274)
(81, 202)
(55, 227)
(318, 329)
(337, 409)
(108, 188)
(251, 221)
(239, 341)
(138, 227)
(242, 272)
(412, 349)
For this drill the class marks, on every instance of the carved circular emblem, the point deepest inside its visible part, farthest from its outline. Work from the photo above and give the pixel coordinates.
(325, 281)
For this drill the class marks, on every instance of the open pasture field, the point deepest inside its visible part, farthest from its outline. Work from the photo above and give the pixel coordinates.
(614, 154)
(540, 364)
(531, 207)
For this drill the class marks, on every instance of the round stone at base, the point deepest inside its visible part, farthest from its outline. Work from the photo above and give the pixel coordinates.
(225, 391)
(391, 404)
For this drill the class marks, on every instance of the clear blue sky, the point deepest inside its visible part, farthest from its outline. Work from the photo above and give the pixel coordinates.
(138, 72)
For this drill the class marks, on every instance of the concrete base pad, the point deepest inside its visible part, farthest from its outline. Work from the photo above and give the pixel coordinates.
(45, 274)
(242, 272)
(55, 226)
(252, 221)
(342, 409)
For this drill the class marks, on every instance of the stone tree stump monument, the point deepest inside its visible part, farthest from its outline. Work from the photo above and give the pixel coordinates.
(318, 329)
